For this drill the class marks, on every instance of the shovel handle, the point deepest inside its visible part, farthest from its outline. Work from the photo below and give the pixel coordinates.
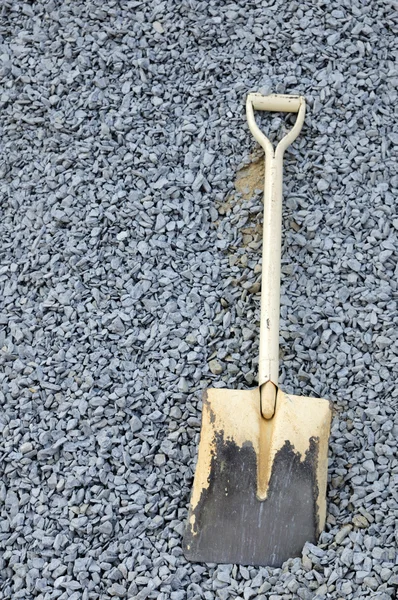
(275, 102)
(271, 268)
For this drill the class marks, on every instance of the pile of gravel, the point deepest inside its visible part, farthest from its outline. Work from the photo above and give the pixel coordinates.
(130, 273)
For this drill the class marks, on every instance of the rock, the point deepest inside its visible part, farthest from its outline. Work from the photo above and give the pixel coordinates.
(106, 528)
(158, 27)
(159, 460)
(117, 590)
(346, 588)
(255, 288)
(322, 185)
(342, 534)
(347, 556)
(360, 521)
(135, 424)
(216, 367)
(26, 447)
(371, 582)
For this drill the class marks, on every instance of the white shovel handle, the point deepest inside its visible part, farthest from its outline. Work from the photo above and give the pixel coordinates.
(270, 294)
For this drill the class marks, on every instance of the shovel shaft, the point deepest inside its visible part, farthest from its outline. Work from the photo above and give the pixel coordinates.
(270, 292)
(268, 367)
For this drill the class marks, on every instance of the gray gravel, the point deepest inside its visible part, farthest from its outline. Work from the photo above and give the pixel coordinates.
(129, 283)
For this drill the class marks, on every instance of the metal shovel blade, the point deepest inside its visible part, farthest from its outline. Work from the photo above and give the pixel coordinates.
(260, 485)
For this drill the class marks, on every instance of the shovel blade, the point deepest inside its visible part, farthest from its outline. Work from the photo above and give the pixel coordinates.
(259, 491)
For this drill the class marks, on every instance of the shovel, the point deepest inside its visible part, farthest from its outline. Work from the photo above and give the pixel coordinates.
(259, 490)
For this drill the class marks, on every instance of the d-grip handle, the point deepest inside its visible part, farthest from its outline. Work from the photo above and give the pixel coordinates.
(275, 102)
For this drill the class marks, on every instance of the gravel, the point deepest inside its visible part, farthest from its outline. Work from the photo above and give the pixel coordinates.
(130, 273)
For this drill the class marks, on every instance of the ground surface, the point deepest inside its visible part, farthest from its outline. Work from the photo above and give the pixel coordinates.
(130, 276)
